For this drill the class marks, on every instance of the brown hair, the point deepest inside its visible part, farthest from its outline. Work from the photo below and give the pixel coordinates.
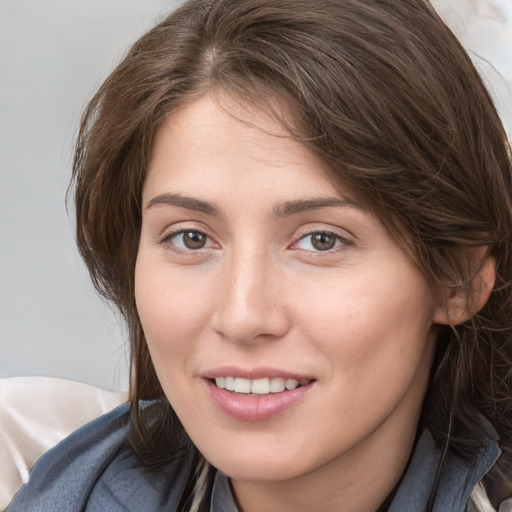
(381, 91)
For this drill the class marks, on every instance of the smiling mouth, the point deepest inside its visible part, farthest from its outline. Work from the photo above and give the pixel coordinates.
(262, 386)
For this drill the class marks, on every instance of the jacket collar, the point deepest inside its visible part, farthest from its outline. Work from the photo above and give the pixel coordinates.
(457, 481)
(222, 497)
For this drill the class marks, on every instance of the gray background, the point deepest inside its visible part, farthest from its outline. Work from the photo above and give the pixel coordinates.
(53, 55)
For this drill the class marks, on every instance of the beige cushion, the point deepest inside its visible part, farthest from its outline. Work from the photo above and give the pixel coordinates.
(35, 414)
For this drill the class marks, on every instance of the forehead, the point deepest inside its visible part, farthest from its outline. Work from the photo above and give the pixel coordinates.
(220, 142)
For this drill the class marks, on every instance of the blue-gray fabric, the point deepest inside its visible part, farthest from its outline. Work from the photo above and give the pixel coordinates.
(95, 470)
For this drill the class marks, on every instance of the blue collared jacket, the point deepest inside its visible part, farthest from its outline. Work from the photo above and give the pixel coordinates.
(95, 470)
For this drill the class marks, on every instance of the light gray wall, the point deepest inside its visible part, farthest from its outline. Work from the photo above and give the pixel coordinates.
(53, 54)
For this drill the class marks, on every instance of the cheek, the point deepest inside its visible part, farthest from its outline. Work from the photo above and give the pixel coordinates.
(170, 313)
(367, 327)
(377, 349)
(172, 319)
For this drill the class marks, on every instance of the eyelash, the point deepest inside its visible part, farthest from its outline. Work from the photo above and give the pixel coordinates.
(168, 241)
(340, 242)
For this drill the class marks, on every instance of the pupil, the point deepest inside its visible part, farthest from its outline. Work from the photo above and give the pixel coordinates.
(323, 241)
(194, 240)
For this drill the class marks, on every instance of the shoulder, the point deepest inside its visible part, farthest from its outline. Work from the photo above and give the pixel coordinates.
(96, 468)
(62, 476)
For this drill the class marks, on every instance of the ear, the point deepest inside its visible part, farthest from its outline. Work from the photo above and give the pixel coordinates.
(456, 308)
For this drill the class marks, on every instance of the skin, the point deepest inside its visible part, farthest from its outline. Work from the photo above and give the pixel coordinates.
(359, 318)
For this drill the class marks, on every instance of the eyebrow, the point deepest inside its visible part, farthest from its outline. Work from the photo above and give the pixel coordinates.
(285, 209)
(189, 203)
(304, 205)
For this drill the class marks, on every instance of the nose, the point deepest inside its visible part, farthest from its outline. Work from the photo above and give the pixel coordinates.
(251, 301)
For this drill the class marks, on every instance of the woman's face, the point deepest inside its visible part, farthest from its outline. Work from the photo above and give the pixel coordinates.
(291, 335)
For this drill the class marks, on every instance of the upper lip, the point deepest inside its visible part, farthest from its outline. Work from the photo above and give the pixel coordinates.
(254, 373)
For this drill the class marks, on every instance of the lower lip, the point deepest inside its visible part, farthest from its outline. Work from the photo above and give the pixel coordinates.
(255, 407)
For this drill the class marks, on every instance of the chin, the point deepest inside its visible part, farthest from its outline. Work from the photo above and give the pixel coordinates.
(262, 470)
(262, 459)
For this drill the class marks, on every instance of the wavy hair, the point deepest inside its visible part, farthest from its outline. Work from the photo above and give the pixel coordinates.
(384, 93)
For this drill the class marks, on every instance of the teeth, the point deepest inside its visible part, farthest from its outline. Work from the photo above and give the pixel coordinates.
(277, 385)
(262, 386)
(291, 384)
(229, 383)
(242, 385)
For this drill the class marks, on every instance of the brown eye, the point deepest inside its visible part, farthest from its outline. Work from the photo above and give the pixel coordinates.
(189, 241)
(194, 239)
(323, 241)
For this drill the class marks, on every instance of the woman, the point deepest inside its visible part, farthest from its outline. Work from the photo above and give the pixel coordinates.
(303, 211)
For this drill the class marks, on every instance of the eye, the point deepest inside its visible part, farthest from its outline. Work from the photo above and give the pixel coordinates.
(189, 240)
(320, 241)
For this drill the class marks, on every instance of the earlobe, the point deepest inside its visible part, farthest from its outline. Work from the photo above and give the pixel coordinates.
(458, 307)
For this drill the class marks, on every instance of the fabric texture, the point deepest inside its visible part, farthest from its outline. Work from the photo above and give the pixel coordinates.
(95, 470)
